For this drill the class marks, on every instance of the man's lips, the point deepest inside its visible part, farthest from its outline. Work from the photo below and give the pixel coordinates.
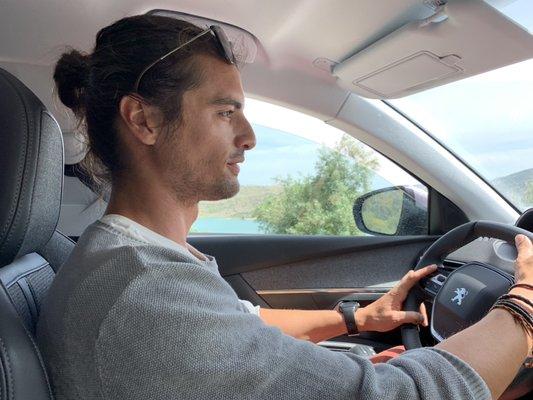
(233, 164)
(234, 168)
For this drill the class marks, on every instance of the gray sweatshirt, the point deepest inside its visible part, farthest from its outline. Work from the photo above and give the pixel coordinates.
(127, 319)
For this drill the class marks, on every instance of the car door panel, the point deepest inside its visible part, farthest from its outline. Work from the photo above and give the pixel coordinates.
(311, 272)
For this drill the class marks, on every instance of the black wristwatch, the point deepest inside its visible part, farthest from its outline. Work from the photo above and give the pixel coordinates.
(347, 309)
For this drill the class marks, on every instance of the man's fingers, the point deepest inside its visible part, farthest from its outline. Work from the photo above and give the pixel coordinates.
(410, 317)
(424, 314)
(412, 277)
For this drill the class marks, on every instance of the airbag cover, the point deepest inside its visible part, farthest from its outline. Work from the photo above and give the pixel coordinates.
(465, 298)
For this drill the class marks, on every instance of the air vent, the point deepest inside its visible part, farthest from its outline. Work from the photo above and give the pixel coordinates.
(450, 265)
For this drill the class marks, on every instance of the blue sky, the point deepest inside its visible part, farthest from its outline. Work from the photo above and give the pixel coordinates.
(277, 154)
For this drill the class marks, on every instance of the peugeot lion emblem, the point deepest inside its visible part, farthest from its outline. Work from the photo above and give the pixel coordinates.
(460, 294)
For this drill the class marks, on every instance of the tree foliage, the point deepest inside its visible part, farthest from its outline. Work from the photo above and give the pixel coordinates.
(320, 203)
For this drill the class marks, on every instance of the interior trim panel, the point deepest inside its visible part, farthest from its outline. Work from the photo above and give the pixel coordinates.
(319, 299)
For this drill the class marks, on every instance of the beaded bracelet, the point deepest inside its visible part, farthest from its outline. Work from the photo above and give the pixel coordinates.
(526, 316)
(518, 319)
(522, 285)
(517, 297)
(519, 314)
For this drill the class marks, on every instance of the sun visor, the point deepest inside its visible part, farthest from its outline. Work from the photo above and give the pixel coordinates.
(463, 38)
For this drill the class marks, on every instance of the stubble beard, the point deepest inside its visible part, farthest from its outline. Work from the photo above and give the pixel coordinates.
(221, 190)
(192, 185)
(194, 182)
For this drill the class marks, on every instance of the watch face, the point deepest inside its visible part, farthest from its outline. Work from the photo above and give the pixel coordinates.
(348, 305)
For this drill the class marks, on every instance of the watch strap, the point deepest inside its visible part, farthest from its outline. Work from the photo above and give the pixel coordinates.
(348, 309)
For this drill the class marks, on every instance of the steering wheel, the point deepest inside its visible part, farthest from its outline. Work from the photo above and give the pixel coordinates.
(463, 297)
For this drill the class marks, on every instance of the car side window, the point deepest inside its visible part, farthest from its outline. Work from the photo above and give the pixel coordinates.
(305, 177)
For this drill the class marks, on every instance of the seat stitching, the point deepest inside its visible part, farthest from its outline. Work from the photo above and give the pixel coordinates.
(20, 166)
(35, 348)
(8, 370)
(36, 149)
(41, 362)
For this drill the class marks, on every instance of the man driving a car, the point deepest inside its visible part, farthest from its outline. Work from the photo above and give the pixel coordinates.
(138, 313)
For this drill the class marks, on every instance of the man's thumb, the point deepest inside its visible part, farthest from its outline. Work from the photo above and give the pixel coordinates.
(522, 243)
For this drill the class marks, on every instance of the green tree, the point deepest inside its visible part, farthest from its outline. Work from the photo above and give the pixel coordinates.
(320, 203)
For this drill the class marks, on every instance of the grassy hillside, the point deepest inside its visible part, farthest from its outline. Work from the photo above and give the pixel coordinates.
(515, 182)
(518, 187)
(240, 206)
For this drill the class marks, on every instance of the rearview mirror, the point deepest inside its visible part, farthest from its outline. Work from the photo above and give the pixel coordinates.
(393, 211)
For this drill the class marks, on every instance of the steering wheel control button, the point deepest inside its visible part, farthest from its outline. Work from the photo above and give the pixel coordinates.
(434, 284)
(433, 287)
(466, 296)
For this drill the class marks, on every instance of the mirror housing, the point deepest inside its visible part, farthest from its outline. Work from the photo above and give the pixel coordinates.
(393, 211)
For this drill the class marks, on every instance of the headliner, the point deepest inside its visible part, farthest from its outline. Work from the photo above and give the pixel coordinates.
(291, 36)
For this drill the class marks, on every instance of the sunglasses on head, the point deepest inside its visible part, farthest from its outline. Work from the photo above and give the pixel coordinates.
(222, 40)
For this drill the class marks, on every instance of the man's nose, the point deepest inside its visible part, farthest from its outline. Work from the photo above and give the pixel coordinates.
(246, 138)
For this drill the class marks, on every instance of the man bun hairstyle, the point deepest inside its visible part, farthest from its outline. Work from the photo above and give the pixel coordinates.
(92, 85)
(70, 75)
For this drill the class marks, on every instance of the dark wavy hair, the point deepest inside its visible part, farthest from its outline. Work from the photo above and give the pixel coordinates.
(92, 85)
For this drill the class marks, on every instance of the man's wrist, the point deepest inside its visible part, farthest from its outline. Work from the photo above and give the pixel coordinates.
(503, 318)
(360, 317)
(348, 310)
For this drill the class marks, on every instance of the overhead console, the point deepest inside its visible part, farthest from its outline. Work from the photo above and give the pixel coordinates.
(463, 38)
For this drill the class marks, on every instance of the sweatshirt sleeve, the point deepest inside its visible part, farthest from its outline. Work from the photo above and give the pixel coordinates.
(186, 336)
(249, 307)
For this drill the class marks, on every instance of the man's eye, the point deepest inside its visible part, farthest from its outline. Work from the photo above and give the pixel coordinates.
(226, 113)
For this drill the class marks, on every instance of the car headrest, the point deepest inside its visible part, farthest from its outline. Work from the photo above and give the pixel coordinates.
(31, 170)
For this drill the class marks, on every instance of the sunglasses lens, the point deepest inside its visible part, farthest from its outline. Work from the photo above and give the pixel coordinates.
(224, 43)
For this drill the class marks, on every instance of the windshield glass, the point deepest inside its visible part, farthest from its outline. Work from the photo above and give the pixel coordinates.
(486, 120)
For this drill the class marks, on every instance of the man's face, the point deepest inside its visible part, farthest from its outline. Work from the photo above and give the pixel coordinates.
(200, 157)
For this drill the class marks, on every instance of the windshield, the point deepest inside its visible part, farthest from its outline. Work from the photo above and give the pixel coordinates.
(486, 120)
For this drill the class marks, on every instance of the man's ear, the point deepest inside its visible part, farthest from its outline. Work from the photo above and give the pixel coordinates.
(138, 117)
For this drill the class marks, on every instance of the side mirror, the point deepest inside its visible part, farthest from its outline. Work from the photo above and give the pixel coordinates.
(393, 211)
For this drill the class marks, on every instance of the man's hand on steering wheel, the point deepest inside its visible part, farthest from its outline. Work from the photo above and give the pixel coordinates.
(524, 261)
(524, 266)
(386, 313)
